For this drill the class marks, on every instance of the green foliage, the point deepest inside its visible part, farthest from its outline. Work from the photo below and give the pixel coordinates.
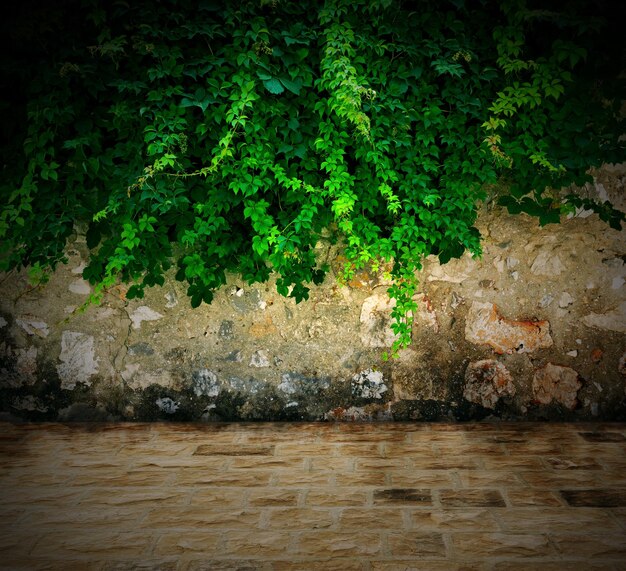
(229, 138)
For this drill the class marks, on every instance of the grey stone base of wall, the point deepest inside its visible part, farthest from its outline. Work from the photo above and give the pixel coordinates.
(535, 330)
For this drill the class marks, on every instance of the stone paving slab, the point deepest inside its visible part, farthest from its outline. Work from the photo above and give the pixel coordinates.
(309, 497)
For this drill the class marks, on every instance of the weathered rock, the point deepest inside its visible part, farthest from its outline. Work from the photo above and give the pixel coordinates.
(244, 386)
(547, 263)
(360, 413)
(29, 403)
(226, 330)
(78, 360)
(556, 383)
(484, 325)
(3, 322)
(80, 287)
(376, 321)
(205, 383)
(295, 383)
(546, 300)
(245, 301)
(140, 348)
(167, 405)
(143, 313)
(369, 384)
(171, 299)
(426, 313)
(259, 359)
(234, 357)
(622, 364)
(456, 271)
(565, 300)
(33, 326)
(486, 382)
(612, 321)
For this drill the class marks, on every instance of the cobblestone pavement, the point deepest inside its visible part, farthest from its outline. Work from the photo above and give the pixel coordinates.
(314, 497)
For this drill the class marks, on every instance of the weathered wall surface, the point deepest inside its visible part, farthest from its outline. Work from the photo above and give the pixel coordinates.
(534, 330)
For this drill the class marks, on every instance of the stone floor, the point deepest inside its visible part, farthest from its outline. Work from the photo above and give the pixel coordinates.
(314, 497)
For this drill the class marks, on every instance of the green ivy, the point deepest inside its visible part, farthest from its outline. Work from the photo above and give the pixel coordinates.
(231, 138)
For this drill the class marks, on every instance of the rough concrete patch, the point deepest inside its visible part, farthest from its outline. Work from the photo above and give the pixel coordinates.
(486, 381)
(556, 383)
(26, 365)
(484, 325)
(78, 361)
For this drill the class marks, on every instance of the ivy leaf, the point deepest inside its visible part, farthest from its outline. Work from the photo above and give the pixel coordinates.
(274, 86)
(293, 86)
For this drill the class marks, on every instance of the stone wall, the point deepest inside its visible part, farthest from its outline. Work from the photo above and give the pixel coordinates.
(533, 330)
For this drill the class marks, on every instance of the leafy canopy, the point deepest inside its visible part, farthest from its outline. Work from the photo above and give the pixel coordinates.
(232, 137)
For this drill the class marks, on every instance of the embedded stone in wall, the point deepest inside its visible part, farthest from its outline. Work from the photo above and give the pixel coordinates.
(143, 313)
(295, 383)
(622, 364)
(486, 382)
(33, 325)
(556, 383)
(547, 263)
(485, 326)
(167, 405)
(369, 384)
(171, 299)
(78, 361)
(140, 348)
(205, 383)
(612, 321)
(29, 403)
(244, 386)
(376, 321)
(3, 322)
(455, 271)
(245, 301)
(80, 287)
(226, 329)
(425, 312)
(259, 359)
(367, 413)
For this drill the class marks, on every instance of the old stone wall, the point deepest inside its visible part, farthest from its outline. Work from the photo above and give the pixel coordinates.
(533, 330)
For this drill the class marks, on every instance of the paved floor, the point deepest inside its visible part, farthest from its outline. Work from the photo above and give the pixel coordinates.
(286, 497)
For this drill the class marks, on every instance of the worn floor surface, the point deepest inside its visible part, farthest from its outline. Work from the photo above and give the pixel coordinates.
(286, 497)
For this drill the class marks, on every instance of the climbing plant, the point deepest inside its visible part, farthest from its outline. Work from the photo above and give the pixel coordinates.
(229, 137)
